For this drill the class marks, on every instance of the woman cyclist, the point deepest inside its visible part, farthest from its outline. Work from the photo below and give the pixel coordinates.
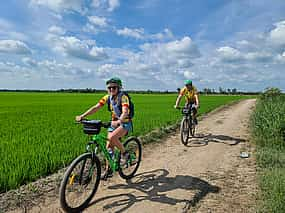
(191, 97)
(121, 122)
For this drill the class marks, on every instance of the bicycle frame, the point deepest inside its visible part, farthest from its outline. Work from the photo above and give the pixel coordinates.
(188, 115)
(100, 141)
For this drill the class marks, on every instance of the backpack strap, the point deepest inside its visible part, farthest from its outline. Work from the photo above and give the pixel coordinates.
(109, 103)
(119, 103)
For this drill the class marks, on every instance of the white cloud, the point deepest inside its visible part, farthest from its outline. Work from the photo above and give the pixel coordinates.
(281, 58)
(60, 5)
(29, 62)
(259, 56)
(232, 55)
(56, 30)
(191, 75)
(96, 24)
(83, 49)
(113, 4)
(229, 54)
(139, 33)
(46, 74)
(14, 47)
(8, 30)
(135, 33)
(184, 46)
(98, 21)
(96, 3)
(80, 6)
(157, 64)
(277, 35)
(166, 34)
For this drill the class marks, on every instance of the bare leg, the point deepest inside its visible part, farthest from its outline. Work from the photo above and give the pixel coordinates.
(114, 136)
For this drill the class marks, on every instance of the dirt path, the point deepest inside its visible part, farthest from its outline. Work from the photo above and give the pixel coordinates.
(207, 176)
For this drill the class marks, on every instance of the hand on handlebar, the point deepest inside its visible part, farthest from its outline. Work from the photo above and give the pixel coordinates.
(176, 107)
(115, 124)
(79, 118)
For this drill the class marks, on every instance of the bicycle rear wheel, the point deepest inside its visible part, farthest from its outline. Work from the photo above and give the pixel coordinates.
(80, 182)
(133, 146)
(184, 131)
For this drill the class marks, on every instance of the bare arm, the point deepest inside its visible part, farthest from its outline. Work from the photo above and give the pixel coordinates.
(178, 101)
(90, 111)
(196, 99)
(124, 114)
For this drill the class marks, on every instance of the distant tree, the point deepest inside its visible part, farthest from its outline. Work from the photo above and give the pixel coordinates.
(271, 92)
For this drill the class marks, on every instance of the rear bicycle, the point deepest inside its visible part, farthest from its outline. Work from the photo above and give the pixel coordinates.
(192, 125)
(185, 126)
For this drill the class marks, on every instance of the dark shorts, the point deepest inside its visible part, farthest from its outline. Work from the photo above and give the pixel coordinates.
(193, 108)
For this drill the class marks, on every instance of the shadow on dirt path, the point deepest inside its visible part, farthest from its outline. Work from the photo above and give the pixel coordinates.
(155, 186)
(204, 139)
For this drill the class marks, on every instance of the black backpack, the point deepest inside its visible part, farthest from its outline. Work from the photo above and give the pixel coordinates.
(131, 104)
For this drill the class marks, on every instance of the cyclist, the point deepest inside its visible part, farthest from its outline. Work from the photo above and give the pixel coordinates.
(121, 122)
(191, 97)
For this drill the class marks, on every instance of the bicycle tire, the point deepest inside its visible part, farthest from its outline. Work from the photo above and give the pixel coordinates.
(184, 131)
(72, 179)
(135, 154)
(192, 127)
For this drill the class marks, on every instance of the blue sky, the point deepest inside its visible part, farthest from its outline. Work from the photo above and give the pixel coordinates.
(150, 44)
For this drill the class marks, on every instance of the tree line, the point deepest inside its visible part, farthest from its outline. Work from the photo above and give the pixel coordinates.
(225, 91)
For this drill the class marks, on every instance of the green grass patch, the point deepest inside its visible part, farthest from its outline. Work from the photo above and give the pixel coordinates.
(269, 133)
(38, 134)
(272, 182)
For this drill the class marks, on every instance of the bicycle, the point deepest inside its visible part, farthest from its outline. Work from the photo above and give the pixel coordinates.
(187, 124)
(81, 179)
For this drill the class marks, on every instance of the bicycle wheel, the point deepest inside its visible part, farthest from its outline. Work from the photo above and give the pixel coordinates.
(80, 182)
(103, 162)
(192, 127)
(184, 131)
(133, 146)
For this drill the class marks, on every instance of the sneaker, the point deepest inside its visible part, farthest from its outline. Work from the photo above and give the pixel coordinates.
(124, 158)
(107, 174)
(195, 121)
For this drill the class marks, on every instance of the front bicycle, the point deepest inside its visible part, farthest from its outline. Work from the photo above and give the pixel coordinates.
(133, 147)
(81, 180)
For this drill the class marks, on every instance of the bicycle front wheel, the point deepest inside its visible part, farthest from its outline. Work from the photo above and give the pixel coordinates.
(184, 131)
(80, 182)
(192, 128)
(133, 146)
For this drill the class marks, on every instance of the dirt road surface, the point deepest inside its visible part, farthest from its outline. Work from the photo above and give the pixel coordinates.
(208, 175)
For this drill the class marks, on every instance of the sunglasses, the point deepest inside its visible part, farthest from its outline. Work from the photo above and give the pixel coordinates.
(114, 87)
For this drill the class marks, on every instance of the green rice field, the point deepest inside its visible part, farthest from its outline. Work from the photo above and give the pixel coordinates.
(38, 134)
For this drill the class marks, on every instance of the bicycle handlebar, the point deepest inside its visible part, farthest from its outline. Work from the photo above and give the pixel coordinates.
(86, 121)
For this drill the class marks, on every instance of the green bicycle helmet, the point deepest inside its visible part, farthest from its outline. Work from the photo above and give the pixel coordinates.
(187, 82)
(114, 80)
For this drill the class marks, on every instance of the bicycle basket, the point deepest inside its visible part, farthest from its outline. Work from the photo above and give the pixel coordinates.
(92, 127)
(185, 110)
